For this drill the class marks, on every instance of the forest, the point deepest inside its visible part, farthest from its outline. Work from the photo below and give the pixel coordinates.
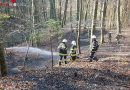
(32, 33)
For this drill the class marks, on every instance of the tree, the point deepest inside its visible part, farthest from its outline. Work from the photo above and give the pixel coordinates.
(125, 13)
(59, 10)
(86, 12)
(79, 28)
(118, 18)
(33, 21)
(3, 65)
(65, 13)
(103, 14)
(44, 9)
(55, 27)
(71, 18)
(78, 11)
(93, 27)
(52, 9)
(94, 17)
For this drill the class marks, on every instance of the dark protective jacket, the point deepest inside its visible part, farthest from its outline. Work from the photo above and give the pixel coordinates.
(73, 50)
(95, 45)
(62, 49)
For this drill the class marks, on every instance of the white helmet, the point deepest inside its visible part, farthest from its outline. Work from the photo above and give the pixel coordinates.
(93, 36)
(64, 40)
(73, 42)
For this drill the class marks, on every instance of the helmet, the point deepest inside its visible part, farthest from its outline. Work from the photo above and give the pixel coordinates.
(93, 36)
(64, 40)
(73, 42)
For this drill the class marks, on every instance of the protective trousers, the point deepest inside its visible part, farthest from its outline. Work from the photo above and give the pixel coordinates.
(92, 55)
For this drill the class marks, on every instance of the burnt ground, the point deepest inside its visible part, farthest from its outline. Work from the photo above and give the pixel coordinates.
(110, 72)
(81, 75)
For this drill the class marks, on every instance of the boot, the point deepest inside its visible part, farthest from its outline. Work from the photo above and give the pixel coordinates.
(65, 62)
(90, 59)
(95, 58)
(59, 62)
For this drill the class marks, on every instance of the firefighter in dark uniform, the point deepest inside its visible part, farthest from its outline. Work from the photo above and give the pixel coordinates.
(94, 48)
(63, 51)
(109, 37)
(118, 38)
(73, 50)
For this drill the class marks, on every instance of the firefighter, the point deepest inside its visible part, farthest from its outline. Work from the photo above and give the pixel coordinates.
(118, 38)
(109, 37)
(94, 48)
(63, 51)
(73, 50)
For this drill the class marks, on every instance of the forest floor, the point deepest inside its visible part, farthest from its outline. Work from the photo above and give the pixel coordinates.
(110, 72)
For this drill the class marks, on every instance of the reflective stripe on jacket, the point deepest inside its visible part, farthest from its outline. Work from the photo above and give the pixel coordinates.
(61, 54)
(73, 50)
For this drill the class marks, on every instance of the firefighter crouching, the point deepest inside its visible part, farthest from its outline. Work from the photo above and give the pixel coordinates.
(94, 48)
(63, 51)
(73, 50)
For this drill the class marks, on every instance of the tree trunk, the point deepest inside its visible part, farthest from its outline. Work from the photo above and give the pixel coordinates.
(94, 20)
(86, 14)
(94, 17)
(71, 18)
(36, 11)
(125, 13)
(103, 15)
(78, 11)
(65, 12)
(114, 17)
(110, 14)
(79, 28)
(44, 9)
(52, 10)
(59, 11)
(118, 18)
(33, 21)
(3, 65)
(77, 17)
